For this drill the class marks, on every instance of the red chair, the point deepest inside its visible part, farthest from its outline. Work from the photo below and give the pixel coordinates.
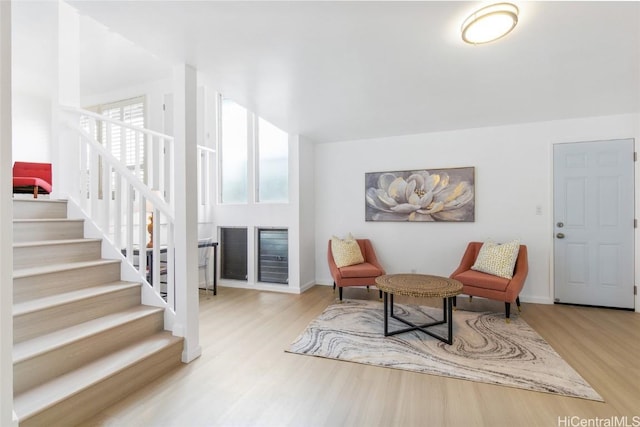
(363, 274)
(475, 283)
(29, 177)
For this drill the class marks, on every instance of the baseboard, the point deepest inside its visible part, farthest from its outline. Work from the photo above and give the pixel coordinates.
(527, 299)
(536, 300)
(307, 286)
(258, 287)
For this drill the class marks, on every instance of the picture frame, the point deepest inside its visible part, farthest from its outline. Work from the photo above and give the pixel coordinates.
(424, 195)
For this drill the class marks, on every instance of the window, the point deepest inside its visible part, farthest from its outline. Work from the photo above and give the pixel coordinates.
(122, 140)
(273, 255)
(234, 153)
(273, 163)
(248, 141)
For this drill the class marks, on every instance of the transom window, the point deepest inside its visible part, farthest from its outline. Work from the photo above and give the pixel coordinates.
(251, 146)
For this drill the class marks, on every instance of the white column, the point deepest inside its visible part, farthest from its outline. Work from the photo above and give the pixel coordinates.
(6, 223)
(295, 220)
(67, 92)
(186, 205)
(303, 190)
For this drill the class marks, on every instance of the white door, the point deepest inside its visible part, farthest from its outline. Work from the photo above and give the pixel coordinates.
(594, 223)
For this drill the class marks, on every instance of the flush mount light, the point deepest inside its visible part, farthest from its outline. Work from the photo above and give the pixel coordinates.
(490, 23)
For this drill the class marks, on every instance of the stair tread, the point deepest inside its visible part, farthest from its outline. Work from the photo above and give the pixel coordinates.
(48, 394)
(53, 268)
(48, 342)
(53, 220)
(68, 297)
(40, 200)
(53, 242)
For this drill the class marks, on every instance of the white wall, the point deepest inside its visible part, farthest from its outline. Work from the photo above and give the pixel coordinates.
(254, 215)
(513, 167)
(31, 128)
(34, 65)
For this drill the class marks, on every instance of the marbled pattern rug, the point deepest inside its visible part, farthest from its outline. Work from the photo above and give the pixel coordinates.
(485, 348)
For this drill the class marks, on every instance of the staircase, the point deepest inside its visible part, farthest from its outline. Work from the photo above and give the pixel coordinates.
(82, 338)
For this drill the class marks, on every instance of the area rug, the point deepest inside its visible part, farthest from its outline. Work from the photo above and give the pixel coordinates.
(485, 348)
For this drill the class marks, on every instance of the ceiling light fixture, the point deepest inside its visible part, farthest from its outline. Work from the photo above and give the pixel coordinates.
(490, 23)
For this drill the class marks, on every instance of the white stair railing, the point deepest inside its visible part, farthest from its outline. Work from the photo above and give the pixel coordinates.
(121, 198)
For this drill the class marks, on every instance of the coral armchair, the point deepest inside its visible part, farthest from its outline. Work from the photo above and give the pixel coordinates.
(32, 178)
(363, 274)
(476, 283)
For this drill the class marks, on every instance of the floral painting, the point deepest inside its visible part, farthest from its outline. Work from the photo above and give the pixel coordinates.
(421, 195)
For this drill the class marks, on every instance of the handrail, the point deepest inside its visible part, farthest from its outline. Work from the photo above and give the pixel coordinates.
(203, 148)
(114, 121)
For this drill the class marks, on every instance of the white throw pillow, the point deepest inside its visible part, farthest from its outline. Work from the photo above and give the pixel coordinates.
(346, 251)
(498, 260)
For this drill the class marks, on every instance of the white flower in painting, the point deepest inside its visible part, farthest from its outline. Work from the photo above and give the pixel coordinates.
(420, 197)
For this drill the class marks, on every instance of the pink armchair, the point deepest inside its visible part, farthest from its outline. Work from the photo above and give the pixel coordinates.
(31, 177)
(356, 275)
(486, 285)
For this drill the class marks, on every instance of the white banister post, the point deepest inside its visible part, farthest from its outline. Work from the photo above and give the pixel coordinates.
(6, 223)
(186, 209)
(64, 158)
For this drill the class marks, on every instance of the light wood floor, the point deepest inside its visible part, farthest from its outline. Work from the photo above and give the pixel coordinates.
(244, 377)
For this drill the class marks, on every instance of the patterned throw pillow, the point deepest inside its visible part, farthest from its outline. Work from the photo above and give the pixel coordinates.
(346, 251)
(496, 259)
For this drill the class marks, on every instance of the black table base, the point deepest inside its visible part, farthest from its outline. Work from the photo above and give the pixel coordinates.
(447, 314)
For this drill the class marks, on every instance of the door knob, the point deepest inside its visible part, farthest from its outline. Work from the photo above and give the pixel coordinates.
(560, 236)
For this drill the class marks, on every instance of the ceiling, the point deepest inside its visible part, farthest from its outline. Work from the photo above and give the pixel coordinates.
(335, 71)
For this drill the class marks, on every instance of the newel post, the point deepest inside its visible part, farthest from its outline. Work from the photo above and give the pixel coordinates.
(186, 213)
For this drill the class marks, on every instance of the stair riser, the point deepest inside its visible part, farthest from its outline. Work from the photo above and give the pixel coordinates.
(42, 285)
(27, 209)
(82, 406)
(31, 231)
(42, 368)
(33, 256)
(34, 324)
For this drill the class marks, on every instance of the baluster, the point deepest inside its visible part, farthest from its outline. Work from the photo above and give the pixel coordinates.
(106, 196)
(94, 177)
(84, 181)
(117, 211)
(170, 182)
(129, 230)
(157, 255)
(137, 156)
(171, 268)
(142, 233)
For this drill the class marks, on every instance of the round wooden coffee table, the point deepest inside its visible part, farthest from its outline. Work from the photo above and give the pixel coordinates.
(419, 285)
